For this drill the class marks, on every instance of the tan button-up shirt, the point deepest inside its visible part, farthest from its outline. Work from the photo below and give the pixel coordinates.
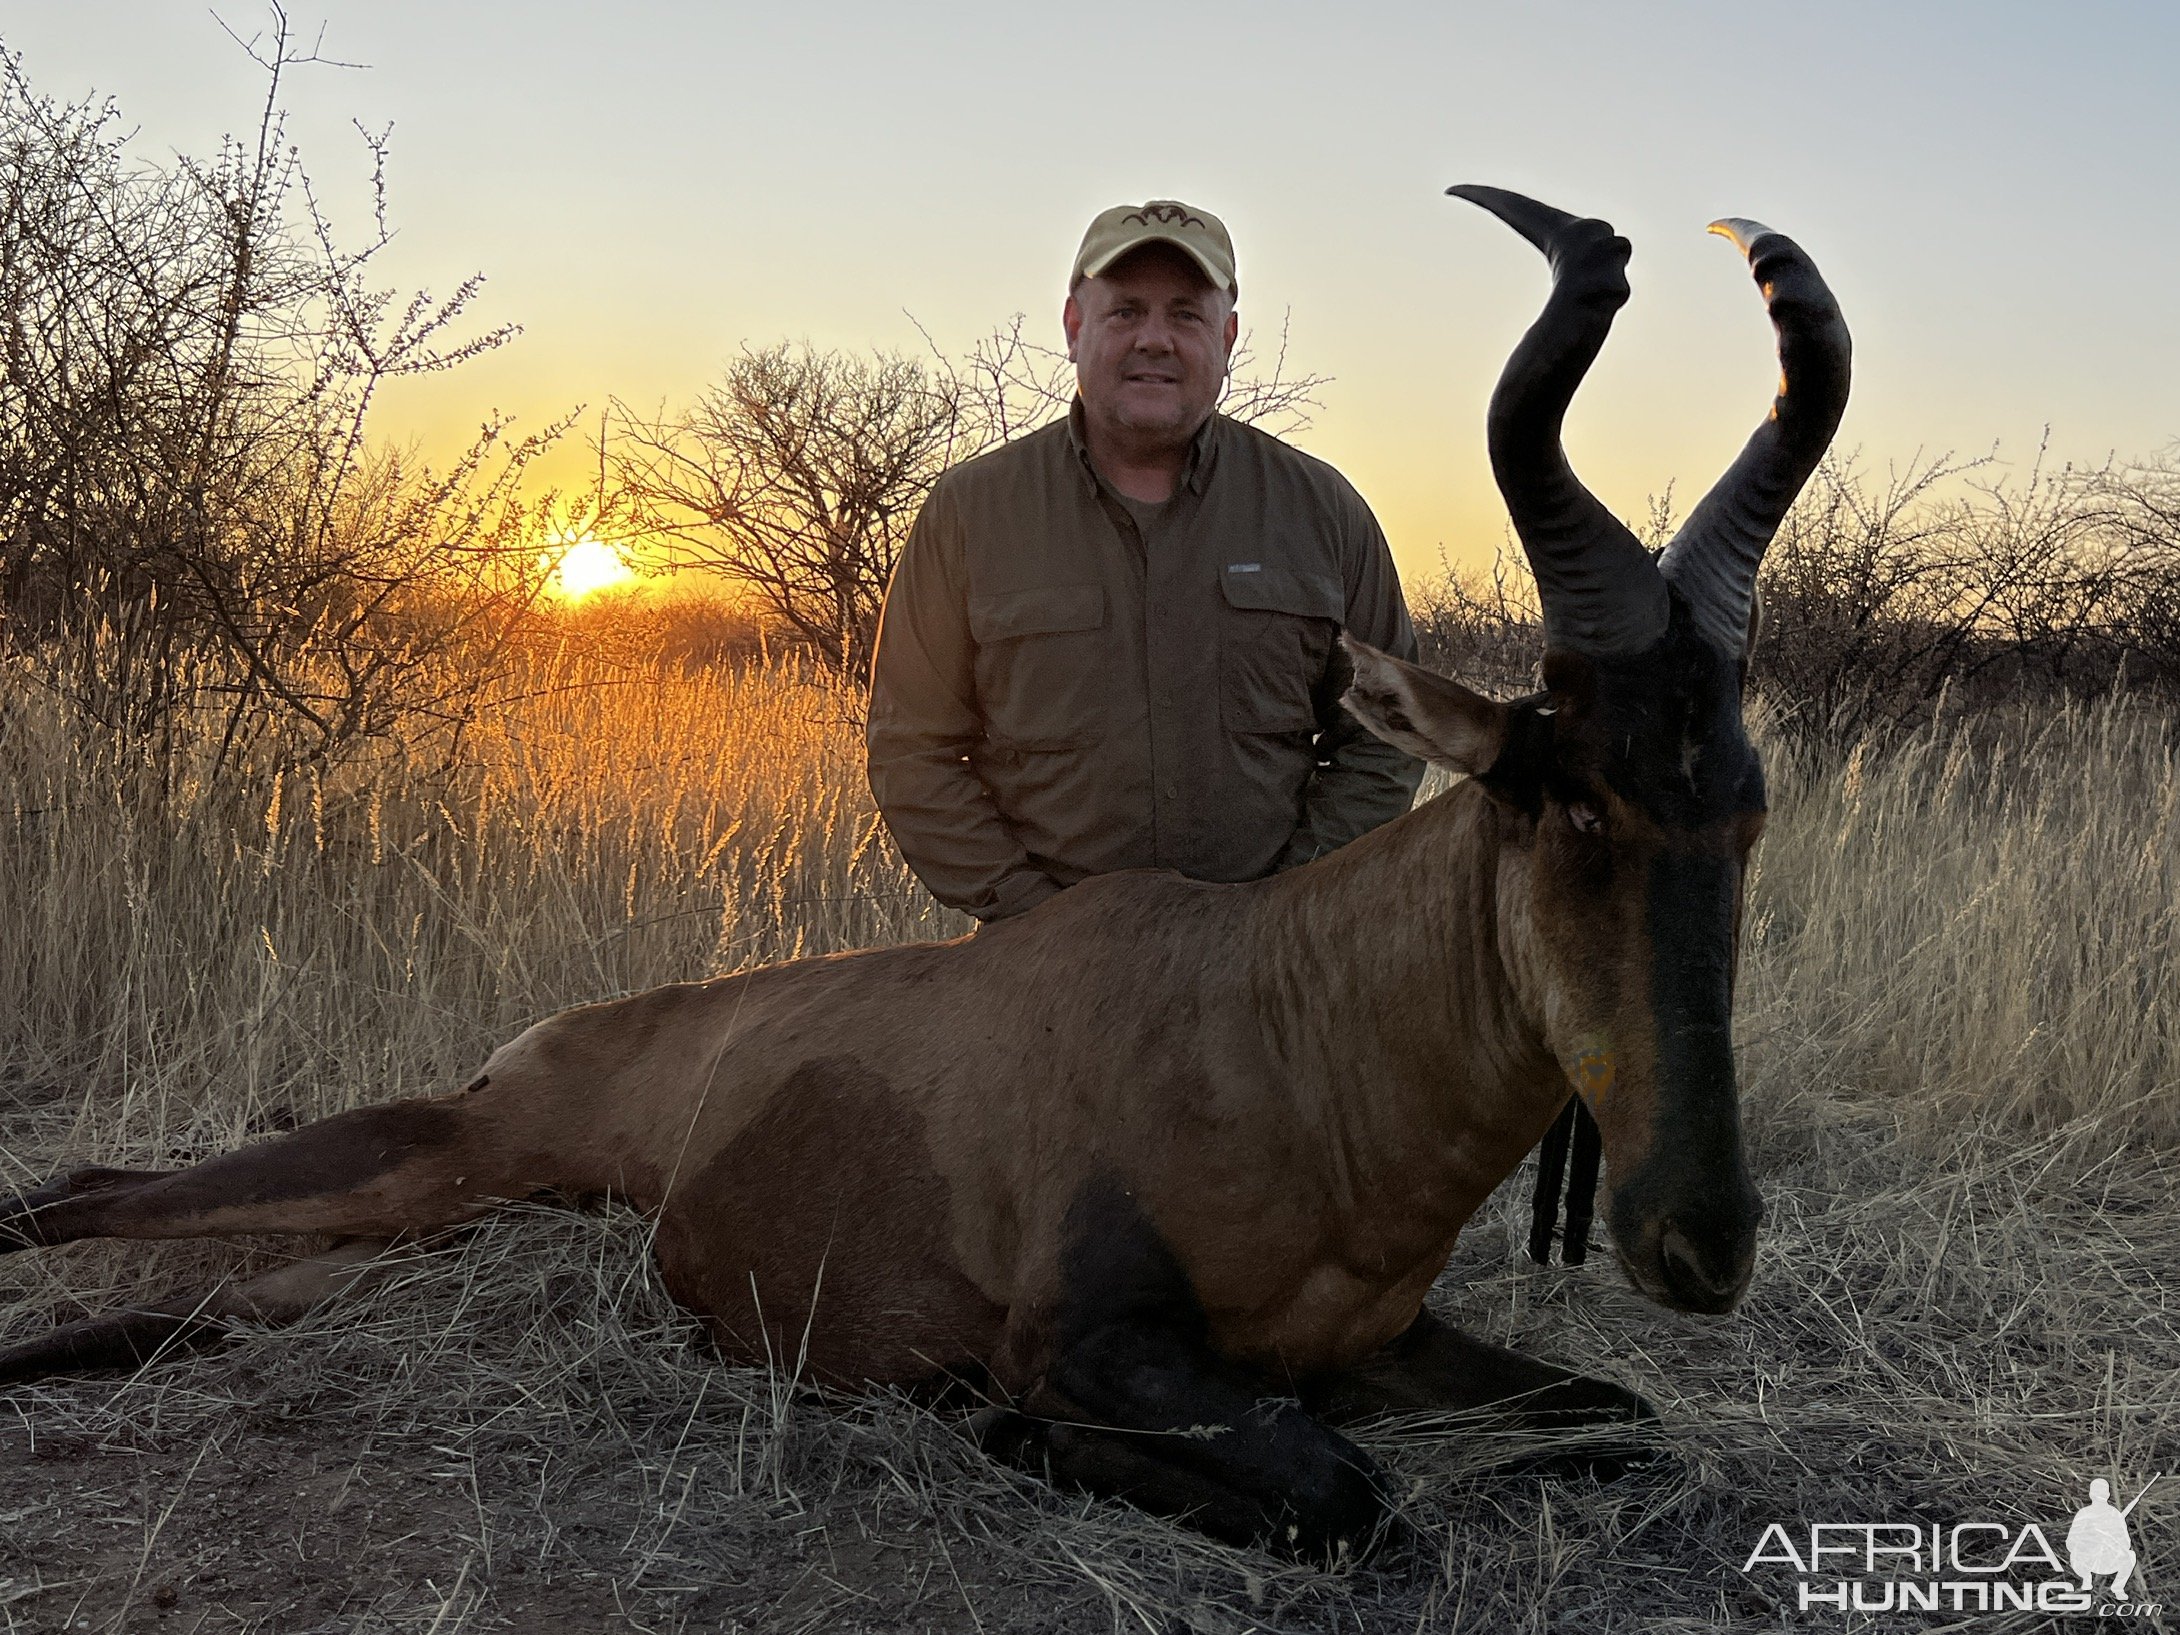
(1068, 682)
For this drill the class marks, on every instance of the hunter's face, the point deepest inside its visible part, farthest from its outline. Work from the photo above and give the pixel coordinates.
(1150, 337)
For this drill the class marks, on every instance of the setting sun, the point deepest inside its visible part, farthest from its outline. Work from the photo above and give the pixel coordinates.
(588, 565)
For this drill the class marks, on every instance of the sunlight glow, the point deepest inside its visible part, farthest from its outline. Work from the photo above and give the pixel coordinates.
(586, 565)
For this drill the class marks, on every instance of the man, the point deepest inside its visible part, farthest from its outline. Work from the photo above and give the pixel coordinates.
(1111, 643)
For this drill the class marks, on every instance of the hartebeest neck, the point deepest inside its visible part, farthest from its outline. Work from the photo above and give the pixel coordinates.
(1383, 990)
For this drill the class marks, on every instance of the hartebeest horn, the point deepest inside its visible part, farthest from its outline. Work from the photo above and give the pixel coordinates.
(1598, 587)
(1712, 560)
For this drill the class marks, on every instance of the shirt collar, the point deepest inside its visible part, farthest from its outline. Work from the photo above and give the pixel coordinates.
(1203, 449)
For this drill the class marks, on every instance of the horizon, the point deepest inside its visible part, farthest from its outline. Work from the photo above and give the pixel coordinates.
(1962, 178)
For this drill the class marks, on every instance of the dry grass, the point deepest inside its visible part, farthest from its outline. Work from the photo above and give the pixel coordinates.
(1985, 917)
(1959, 1016)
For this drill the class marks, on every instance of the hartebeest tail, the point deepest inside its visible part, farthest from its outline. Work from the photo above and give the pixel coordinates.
(1169, 1166)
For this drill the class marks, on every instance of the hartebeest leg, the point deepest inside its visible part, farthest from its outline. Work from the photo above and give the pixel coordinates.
(1154, 1418)
(1435, 1368)
(129, 1339)
(1135, 1403)
(378, 1172)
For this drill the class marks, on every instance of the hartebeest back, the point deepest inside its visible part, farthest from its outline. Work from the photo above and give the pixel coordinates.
(1165, 1156)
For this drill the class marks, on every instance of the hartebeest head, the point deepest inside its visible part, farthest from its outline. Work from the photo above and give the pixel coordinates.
(1627, 792)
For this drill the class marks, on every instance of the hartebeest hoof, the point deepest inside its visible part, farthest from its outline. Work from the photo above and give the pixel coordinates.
(20, 1215)
(96, 1345)
(1601, 1431)
(1336, 1513)
(130, 1339)
(1599, 1462)
(1581, 1403)
(1601, 1453)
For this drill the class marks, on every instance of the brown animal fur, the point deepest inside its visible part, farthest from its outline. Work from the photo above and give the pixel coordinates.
(1308, 1100)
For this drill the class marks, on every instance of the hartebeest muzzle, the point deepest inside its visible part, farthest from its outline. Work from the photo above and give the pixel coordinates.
(1684, 1218)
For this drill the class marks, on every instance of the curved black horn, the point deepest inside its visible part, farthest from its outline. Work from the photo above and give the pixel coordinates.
(1599, 589)
(1712, 560)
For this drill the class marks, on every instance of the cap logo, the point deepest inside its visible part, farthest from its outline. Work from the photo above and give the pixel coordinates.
(1167, 212)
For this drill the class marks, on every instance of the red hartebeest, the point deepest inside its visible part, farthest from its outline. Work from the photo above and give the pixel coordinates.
(1170, 1156)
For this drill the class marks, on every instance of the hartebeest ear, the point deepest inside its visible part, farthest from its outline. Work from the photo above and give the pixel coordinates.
(1424, 714)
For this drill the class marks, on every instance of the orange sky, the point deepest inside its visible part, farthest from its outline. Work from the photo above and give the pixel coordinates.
(649, 186)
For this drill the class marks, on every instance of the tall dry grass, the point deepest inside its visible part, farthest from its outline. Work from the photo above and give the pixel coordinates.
(254, 951)
(1981, 918)
(1958, 1016)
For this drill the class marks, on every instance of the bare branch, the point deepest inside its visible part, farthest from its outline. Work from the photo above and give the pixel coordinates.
(191, 516)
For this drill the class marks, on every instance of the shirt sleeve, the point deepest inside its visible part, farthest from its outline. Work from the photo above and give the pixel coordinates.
(1361, 781)
(924, 721)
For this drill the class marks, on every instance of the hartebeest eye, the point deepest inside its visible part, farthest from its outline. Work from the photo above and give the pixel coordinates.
(1587, 820)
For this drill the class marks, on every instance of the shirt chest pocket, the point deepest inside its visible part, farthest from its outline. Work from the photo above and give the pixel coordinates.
(1275, 644)
(1040, 666)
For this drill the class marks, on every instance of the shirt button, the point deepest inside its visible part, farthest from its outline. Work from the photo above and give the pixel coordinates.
(1172, 790)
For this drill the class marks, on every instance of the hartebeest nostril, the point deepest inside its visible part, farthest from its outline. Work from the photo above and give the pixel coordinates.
(1700, 1280)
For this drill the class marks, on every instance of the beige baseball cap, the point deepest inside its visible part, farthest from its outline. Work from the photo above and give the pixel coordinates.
(1198, 234)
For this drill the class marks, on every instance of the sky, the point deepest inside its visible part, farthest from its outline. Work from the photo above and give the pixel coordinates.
(650, 186)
